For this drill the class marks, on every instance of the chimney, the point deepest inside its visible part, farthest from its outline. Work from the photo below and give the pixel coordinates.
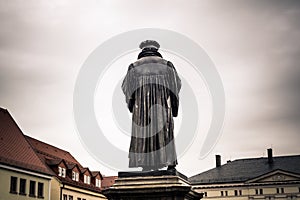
(218, 161)
(270, 156)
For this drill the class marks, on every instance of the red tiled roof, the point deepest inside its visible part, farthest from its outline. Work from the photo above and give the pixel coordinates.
(14, 148)
(79, 184)
(84, 169)
(52, 155)
(72, 166)
(108, 181)
(28, 153)
(95, 173)
(53, 161)
(47, 151)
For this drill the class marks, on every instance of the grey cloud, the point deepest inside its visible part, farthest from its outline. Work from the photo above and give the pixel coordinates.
(255, 45)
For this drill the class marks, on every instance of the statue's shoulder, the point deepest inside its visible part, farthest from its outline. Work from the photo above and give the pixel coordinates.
(170, 64)
(150, 59)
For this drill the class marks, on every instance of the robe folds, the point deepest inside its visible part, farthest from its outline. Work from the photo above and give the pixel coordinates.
(151, 87)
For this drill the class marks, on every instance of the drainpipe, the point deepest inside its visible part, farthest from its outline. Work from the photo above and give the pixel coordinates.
(49, 192)
(61, 188)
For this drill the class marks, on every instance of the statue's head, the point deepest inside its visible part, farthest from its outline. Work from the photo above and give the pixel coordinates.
(149, 48)
(149, 44)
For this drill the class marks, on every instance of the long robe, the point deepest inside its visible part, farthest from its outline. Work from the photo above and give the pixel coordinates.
(151, 87)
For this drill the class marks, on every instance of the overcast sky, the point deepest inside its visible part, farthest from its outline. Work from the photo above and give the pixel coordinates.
(255, 46)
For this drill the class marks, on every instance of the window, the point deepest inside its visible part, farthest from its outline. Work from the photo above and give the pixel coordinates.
(261, 191)
(237, 192)
(70, 197)
(65, 197)
(205, 194)
(75, 176)
(280, 190)
(59, 171)
(224, 193)
(13, 184)
(240, 192)
(40, 190)
(87, 179)
(32, 189)
(22, 188)
(78, 198)
(98, 182)
(62, 172)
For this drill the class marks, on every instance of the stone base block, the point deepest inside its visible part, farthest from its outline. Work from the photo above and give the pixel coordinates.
(159, 185)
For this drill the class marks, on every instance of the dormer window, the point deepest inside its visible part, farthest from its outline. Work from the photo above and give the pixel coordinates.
(62, 172)
(87, 179)
(98, 182)
(75, 176)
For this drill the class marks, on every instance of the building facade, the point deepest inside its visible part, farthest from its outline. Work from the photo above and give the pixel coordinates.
(32, 169)
(22, 174)
(71, 181)
(248, 179)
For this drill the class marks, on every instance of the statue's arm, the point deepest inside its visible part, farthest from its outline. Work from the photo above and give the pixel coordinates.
(177, 85)
(131, 103)
(174, 104)
(131, 99)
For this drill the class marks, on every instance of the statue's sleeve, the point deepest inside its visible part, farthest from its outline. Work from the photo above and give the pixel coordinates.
(128, 88)
(175, 84)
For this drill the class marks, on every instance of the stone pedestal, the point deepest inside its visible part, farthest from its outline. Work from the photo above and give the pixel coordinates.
(155, 185)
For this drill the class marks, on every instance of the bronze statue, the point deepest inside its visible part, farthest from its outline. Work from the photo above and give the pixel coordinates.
(151, 88)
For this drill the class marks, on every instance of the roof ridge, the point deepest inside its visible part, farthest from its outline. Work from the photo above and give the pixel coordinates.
(257, 158)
